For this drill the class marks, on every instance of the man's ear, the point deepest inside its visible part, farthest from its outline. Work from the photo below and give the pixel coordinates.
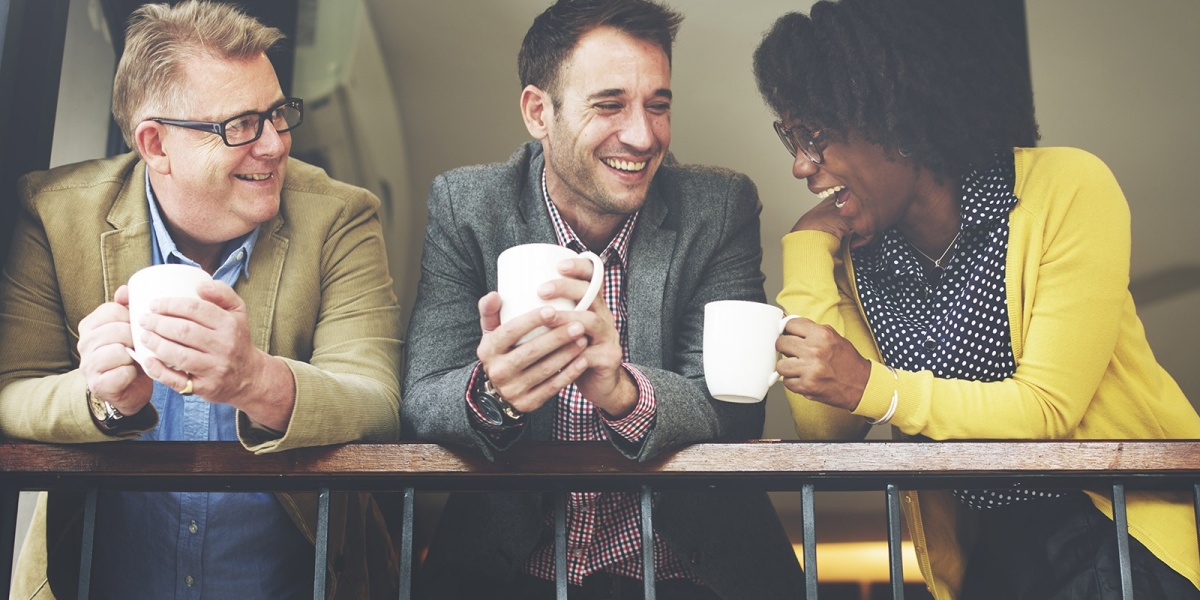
(537, 109)
(148, 140)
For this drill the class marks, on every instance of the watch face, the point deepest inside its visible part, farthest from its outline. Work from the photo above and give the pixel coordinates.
(490, 408)
(97, 406)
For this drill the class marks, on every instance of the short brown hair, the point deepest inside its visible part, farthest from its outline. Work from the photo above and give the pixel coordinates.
(554, 33)
(160, 38)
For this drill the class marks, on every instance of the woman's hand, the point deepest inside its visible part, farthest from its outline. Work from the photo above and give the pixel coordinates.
(824, 217)
(819, 364)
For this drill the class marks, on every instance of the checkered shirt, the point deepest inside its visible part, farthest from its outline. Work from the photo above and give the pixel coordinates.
(603, 528)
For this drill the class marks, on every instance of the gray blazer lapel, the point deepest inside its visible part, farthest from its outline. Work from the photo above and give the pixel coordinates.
(651, 253)
(530, 223)
(126, 248)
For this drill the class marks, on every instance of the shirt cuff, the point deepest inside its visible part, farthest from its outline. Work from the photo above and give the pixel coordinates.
(638, 423)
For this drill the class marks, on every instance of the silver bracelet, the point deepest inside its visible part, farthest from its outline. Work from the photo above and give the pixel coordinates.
(891, 411)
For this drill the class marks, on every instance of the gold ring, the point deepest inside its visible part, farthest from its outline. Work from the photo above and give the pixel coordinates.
(187, 389)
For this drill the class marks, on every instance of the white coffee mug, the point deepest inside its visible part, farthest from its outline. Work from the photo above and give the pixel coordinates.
(521, 270)
(739, 349)
(158, 281)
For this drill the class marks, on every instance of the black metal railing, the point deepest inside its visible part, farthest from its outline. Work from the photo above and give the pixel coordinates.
(766, 465)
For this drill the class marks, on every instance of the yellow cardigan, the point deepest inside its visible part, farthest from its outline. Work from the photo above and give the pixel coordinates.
(1084, 367)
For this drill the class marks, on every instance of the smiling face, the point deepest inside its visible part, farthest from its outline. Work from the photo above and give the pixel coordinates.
(611, 127)
(874, 188)
(211, 193)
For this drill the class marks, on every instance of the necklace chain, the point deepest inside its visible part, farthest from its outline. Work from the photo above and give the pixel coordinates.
(937, 262)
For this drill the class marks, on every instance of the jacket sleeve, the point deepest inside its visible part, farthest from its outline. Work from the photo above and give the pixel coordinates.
(444, 331)
(815, 286)
(42, 392)
(349, 388)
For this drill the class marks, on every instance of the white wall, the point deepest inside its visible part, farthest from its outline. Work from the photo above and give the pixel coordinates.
(85, 91)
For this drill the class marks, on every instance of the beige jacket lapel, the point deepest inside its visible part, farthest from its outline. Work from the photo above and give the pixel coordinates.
(126, 248)
(260, 289)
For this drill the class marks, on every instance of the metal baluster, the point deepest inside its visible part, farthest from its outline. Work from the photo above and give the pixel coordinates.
(322, 544)
(808, 531)
(1196, 499)
(895, 556)
(560, 544)
(8, 532)
(1122, 523)
(89, 538)
(647, 543)
(407, 546)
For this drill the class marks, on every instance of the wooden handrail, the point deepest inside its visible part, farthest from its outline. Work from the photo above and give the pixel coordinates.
(771, 464)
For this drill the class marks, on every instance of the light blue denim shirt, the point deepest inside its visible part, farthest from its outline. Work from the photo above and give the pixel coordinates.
(192, 545)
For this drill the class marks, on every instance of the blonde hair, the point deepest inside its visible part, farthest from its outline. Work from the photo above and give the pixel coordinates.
(161, 38)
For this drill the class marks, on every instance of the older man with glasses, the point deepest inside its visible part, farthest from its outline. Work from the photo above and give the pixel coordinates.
(294, 342)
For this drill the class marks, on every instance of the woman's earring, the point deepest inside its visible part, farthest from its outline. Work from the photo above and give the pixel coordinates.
(904, 152)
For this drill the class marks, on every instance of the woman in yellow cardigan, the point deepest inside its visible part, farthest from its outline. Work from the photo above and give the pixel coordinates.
(960, 286)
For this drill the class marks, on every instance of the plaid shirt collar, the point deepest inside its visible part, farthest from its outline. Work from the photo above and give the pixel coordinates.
(619, 246)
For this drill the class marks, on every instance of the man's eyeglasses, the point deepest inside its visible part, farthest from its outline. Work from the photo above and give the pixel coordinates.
(799, 138)
(246, 128)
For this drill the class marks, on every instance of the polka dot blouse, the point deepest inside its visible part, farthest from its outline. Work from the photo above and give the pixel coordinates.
(953, 322)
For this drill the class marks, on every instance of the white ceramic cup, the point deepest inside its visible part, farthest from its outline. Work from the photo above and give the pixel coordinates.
(739, 349)
(158, 281)
(521, 270)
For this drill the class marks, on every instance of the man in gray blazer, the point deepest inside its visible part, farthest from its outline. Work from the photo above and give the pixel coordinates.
(629, 369)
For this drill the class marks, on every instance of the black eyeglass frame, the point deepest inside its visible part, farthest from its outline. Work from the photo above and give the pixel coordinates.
(807, 142)
(219, 128)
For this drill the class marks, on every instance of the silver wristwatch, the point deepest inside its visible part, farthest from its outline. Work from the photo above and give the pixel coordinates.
(496, 410)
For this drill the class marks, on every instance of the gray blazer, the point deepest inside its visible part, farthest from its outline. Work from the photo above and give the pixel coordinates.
(696, 240)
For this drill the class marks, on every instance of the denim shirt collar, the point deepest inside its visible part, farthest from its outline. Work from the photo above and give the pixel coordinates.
(235, 265)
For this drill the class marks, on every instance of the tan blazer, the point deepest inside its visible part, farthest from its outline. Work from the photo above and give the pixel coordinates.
(318, 295)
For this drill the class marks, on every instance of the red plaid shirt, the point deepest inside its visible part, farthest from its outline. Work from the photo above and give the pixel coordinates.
(603, 528)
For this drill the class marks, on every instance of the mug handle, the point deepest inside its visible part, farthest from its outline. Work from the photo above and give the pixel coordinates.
(597, 281)
(782, 325)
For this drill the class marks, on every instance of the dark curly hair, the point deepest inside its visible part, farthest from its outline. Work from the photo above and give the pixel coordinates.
(555, 32)
(931, 77)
